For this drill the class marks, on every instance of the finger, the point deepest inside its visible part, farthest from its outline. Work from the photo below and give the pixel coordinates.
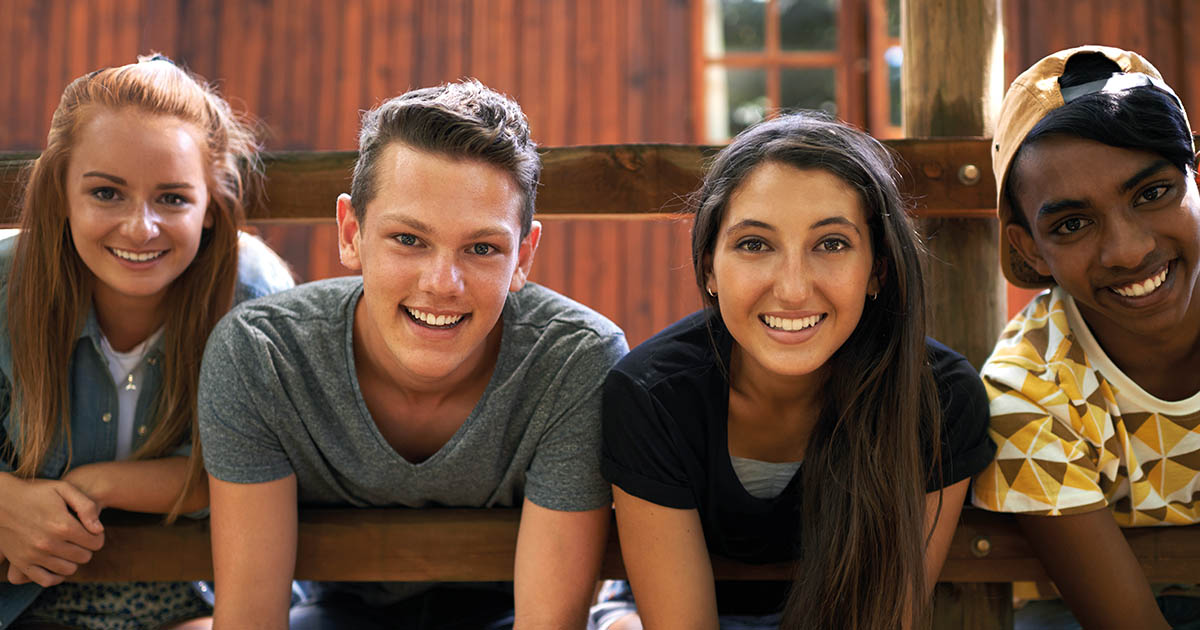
(67, 551)
(36, 574)
(85, 509)
(52, 563)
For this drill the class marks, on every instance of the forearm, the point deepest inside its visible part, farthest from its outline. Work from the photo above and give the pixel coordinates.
(1095, 570)
(254, 552)
(150, 485)
(557, 562)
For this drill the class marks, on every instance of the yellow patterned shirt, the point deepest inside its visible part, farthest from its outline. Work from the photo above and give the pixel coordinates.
(1074, 434)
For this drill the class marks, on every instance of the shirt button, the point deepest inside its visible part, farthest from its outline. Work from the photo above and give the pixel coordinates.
(107, 417)
(142, 430)
(152, 360)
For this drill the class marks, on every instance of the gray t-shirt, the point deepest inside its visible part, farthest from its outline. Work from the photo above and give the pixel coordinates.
(279, 395)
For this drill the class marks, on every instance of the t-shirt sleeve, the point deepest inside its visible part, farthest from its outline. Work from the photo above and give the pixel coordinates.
(236, 400)
(1042, 465)
(966, 448)
(564, 473)
(641, 453)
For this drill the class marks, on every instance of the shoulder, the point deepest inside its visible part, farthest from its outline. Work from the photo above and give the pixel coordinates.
(314, 306)
(688, 349)
(260, 270)
(543, 322)
(677, 373)
(960, 391)
(1035, 337)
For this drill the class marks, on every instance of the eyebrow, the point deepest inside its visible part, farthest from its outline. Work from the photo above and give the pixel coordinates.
(1051, 208)
(749, 223)
(1143, 174)
(121, 181)
(754, 223)
(836, 221)
(425, 228)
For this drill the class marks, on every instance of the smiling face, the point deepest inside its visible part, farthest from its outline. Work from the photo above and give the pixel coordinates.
(137, 199)
(439, 249)
(792, 268)
(1118, 229)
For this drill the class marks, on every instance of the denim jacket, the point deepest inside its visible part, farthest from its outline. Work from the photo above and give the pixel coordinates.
(93, 394)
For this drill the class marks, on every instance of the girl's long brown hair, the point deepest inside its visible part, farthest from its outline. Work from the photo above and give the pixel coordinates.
(865, 470)
(50, 288)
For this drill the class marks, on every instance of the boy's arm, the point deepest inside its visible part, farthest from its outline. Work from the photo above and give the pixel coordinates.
(254, 552)
(1093, 567)
(558, 559)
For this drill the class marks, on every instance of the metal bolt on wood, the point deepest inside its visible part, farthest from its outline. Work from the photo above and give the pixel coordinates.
(969, 174)
(981, 546)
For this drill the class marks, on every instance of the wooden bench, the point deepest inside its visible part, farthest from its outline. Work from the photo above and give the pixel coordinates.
(947, 178)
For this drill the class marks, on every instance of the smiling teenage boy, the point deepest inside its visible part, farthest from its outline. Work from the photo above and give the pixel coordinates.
(441, 377)
(1095, 386)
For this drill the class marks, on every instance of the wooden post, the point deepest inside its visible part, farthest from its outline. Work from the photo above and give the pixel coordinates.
(951, 85)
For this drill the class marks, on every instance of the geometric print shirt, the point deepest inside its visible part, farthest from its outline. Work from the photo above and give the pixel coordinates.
(1074, 434)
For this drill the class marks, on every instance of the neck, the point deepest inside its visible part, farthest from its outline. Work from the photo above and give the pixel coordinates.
(768, 390)
(127, 321)
(1163, 363)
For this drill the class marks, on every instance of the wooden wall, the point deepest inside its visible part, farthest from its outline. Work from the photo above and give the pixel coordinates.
(585, 71)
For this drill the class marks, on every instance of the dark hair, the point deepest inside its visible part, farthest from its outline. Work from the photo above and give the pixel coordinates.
(1141, 118)
(863, 521)
(460, 120)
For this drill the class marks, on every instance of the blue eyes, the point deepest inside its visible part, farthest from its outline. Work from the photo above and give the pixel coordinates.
(478, 249)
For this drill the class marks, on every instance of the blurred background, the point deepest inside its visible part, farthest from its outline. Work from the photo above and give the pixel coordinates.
(585, 72)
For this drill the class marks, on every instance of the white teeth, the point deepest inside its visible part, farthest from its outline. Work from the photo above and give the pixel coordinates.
(1138, 289)
(135, 256)
(780, 323)
(434, 320)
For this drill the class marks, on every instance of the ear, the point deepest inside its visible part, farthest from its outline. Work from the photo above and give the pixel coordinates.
(710, 278)
(525, 252)
(878, 276)
(348, 234)
(208, 217)
(1023, 242)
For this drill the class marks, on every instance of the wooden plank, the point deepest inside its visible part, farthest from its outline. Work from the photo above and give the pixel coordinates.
(606, 179)
(477, 545)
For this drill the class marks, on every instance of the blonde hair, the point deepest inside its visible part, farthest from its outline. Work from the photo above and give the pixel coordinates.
(50, 287)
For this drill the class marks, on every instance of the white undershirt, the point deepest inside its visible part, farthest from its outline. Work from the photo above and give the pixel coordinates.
(763, 480)
(123, 365)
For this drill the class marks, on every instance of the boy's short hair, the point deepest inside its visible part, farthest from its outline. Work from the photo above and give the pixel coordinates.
(465, 120)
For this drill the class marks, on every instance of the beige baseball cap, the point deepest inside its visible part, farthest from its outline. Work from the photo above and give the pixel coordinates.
(1031, 96)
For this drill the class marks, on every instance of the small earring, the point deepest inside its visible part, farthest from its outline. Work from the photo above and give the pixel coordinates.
(873, 295)
(711, 293)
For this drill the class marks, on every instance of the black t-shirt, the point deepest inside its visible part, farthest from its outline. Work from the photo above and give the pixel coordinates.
(665, 422)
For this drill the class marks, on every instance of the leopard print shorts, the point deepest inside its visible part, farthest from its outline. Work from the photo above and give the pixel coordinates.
(116, 606)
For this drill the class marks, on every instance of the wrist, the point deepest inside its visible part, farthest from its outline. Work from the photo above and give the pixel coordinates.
(87, 480)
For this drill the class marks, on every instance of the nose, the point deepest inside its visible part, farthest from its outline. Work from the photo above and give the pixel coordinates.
(442, 275)
(141, 225)
(1127, 241)
(793, 284)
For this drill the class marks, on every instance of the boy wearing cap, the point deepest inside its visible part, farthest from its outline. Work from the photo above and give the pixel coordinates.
(1095, 385)
(440, 377)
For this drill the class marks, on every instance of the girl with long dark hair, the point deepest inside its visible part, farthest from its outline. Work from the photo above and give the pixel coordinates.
(803, 414)
(128, 254)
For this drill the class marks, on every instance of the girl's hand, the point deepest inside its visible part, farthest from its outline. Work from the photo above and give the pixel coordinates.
(47, 529)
